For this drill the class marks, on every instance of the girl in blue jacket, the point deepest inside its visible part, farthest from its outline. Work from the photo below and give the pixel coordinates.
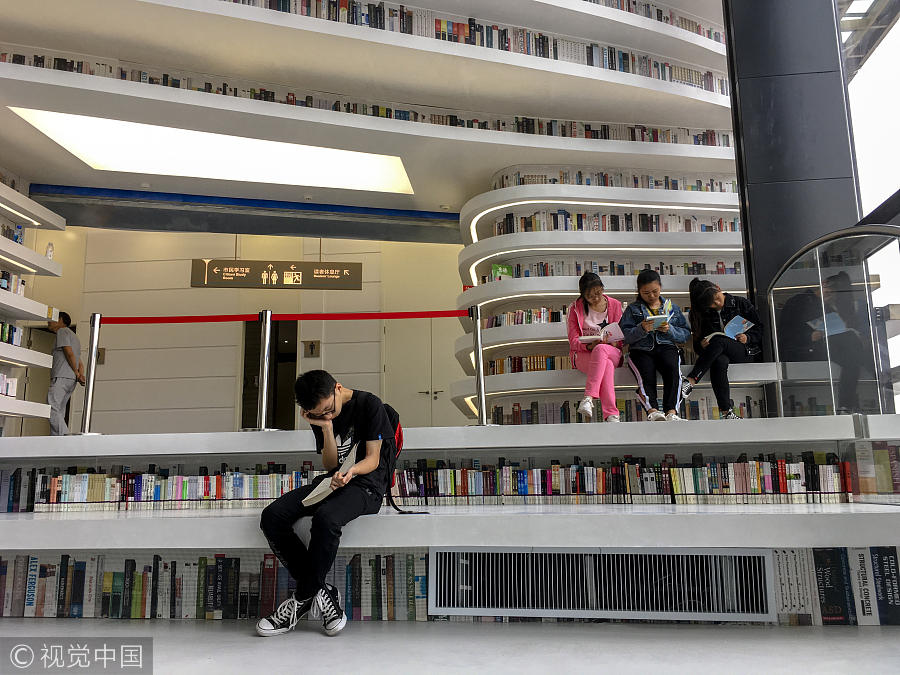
(655, 349)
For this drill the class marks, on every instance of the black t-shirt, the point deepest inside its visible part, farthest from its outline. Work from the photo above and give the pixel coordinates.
(363, 418)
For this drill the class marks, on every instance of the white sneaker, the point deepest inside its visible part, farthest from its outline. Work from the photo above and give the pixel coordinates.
(613, 418)
(656, 416)
(673, 417)
(586, 407)
(729, 415)
(284, 618)
(333, 617)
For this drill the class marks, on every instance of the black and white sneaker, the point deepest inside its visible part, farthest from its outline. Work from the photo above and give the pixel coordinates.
(333, 617)
(686, 387)
(285, 618)
(729, 415)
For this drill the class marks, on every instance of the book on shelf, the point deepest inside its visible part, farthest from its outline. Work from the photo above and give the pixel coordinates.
(562, 220)
(163, 589)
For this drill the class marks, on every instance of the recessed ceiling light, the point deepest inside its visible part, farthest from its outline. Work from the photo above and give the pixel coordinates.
(132, 147)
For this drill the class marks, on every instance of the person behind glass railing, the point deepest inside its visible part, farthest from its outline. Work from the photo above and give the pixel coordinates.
(711, 310)
(802, 335)
(590, 314)
(655, 349)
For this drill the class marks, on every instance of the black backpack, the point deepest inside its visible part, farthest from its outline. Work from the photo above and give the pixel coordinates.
(394, 419)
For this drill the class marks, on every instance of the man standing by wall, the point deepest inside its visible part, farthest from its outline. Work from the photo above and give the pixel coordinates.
(67, 369)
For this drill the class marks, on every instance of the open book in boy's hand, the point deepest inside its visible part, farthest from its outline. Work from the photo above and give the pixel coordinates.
(610, 330)
(733, 328)
(323, 489)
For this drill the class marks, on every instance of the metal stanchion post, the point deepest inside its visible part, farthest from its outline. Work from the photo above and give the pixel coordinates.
(475, 315)
(91, 374)
(265, 350)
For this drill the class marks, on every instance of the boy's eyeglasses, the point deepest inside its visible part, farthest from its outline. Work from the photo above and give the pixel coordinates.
(323, 415)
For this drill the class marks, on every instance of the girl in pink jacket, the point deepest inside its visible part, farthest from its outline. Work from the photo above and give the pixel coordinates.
(590, 314)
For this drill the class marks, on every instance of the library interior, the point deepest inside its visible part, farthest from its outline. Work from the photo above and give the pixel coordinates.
(573, 323)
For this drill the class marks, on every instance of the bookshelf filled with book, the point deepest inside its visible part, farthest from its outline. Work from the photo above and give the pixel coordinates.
(411, 67)
(18, 264)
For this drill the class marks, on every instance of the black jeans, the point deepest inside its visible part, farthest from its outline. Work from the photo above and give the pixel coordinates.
(310, 566)
(666, 359)
(715, 358)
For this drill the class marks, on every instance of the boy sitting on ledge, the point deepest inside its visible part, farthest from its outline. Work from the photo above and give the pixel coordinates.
(343, 421)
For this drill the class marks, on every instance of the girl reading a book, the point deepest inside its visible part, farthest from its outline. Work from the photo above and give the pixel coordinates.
(653, 327)
(595, 345)
(719, 324)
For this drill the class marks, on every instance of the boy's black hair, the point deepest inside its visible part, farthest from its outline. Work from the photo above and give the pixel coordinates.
(702, 293)
(312, 387)
(65, 318)
(643, 278)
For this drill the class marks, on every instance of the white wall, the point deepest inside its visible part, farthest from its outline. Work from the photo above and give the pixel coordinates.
(187, 377)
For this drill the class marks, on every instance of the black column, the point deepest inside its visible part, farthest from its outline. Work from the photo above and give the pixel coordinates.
(794, 153)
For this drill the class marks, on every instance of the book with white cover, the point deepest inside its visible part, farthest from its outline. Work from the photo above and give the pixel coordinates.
(323, 489)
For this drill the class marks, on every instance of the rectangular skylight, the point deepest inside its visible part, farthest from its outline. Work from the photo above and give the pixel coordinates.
(132, 147)
(859, 6)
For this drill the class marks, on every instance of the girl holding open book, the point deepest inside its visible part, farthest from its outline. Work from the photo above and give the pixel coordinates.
(654, 327)
(595, 345)
(726, 330)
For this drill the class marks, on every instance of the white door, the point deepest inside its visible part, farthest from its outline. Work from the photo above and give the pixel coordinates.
(407, 370)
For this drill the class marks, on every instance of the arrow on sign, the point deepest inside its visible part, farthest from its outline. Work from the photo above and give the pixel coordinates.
(215, 270)
(293, 267)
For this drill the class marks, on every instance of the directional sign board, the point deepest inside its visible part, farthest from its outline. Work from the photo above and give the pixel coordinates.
(290, 274)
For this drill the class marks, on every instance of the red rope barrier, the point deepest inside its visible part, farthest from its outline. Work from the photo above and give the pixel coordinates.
(351, 316)
(332, 316)
(215, 318)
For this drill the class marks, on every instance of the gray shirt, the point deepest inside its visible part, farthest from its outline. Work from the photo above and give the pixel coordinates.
(61, 368)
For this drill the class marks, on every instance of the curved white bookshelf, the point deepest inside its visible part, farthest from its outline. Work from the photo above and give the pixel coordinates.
(17, 307)
(526, 291)
(23, 259)
(20, 209)
(543, 382)
(225, 39)
(18, 408)
(22, 357)
(475, 260)
(592, 23)
(515, 337)
(476, 218)
(469, 156)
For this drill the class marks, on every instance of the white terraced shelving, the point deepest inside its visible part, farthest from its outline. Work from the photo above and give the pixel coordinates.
(612, 525)
(476, 218)
(224, 38)
(477, 258)
(424, 441)
(546, 382)
(25, 261)
(17, 259)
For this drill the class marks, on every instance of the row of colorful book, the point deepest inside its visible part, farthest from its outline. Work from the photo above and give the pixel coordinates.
(563, 221)
(348, 103)
(527, 364)
(810, 478)
(569, 266)
(375, 586)
(521, 317)
(406, 20)
(811, 586)
(555, 411)
(471, 31)
(630, 178)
